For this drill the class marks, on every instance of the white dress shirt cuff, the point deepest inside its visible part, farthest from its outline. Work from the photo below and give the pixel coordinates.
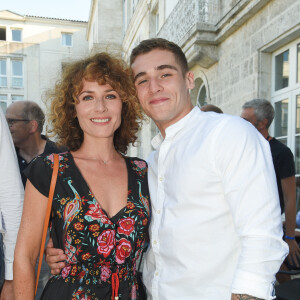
(247, 283)
(8, 271)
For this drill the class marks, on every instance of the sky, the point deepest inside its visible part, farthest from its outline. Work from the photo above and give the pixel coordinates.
(63, 9)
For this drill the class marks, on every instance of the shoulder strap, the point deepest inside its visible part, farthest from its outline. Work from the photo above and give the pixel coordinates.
(47, 217)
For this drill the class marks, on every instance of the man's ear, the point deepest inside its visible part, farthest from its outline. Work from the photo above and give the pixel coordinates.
(190, 82)
(33, 126)
(262, 124)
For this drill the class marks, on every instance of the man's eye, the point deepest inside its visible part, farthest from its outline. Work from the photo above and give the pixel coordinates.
(166, 75)
(142, 81)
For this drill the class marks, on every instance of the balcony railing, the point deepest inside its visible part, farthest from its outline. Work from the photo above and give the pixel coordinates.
(187, 15)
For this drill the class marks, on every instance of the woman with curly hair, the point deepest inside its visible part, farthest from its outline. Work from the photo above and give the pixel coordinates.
(100, 209)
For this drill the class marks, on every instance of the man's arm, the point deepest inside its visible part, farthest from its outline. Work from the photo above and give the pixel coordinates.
(250, 189)
(55, 258)
(289, 194)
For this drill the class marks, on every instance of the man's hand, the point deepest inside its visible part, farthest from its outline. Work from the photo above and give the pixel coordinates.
(7, 292)
(294, 252)
(54, 258)
(243, 297)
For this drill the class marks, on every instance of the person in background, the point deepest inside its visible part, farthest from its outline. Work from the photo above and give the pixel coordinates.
(11, 203)
(211, 107)
(260, 113)
(26, 121)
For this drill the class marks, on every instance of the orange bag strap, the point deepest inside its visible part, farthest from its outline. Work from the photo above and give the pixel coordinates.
(47, 217)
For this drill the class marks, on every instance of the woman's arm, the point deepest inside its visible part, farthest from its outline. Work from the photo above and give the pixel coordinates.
(28, 242)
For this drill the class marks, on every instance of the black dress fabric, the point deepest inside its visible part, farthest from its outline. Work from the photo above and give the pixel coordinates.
(96, 246)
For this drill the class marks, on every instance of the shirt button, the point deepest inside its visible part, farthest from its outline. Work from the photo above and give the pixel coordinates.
(155, 242)
(156, 273)
(158, 211)
(161, 178)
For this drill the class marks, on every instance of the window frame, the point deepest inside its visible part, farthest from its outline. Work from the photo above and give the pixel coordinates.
(62, 39)
(21, 35)
(290, 92)
(5, 75)
(17, 76)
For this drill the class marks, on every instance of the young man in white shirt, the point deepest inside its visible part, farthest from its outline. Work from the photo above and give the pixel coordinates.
(216, 229)
(11, 204)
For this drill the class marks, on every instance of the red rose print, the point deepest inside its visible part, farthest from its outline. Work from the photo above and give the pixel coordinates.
(105, 273)
(140, 164)
(106, 242)
(126, 226)
(95, 213)
(65, 271)
(123, 251)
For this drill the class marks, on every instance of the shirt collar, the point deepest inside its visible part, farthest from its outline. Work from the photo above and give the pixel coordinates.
(172, 130)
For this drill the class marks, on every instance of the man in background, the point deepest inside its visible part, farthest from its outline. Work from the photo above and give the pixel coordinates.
(260, 113)
(11, 203)
(26, 121)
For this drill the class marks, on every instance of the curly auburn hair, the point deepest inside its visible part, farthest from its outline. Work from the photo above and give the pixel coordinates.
(104, 69)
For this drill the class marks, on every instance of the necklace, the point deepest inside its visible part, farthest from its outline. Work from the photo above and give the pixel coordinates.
(105, 162)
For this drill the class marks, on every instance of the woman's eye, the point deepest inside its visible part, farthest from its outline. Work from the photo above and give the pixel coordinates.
(110, 97)
(87, 98)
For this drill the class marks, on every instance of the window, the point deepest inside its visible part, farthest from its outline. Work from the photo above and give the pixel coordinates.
(286, 98)
(67, 39)
(3, 102)
(3, 73)
(7, 99)
(17, 98)
(17, 73)
(2, 33)
(202, 97)
(16, 35)
(282, 70)
(281, 120)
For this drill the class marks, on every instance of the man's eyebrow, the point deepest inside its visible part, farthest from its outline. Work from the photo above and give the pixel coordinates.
(139, 75)
(161, 67)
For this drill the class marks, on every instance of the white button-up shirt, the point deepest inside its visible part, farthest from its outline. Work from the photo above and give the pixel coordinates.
(11, 195)
(216, 225)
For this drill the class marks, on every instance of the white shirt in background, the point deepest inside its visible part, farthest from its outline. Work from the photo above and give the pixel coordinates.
(216, 225)
(11, 195)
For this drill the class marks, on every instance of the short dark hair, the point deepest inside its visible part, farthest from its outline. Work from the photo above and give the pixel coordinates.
(32, 111)
(211, 107)
(146, 46)
(263, 109)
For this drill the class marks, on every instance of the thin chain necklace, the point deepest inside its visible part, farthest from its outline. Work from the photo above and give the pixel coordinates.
(105, 162)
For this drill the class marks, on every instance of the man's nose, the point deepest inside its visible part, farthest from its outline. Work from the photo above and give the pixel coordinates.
(154, 85)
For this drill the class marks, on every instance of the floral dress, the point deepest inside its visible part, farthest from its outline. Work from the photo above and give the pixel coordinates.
(97, 247)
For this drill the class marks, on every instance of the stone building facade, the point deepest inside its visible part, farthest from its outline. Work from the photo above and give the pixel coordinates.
(33, 51)
(237, 49)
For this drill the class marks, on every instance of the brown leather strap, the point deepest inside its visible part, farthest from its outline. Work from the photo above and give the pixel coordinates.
(47, 217)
